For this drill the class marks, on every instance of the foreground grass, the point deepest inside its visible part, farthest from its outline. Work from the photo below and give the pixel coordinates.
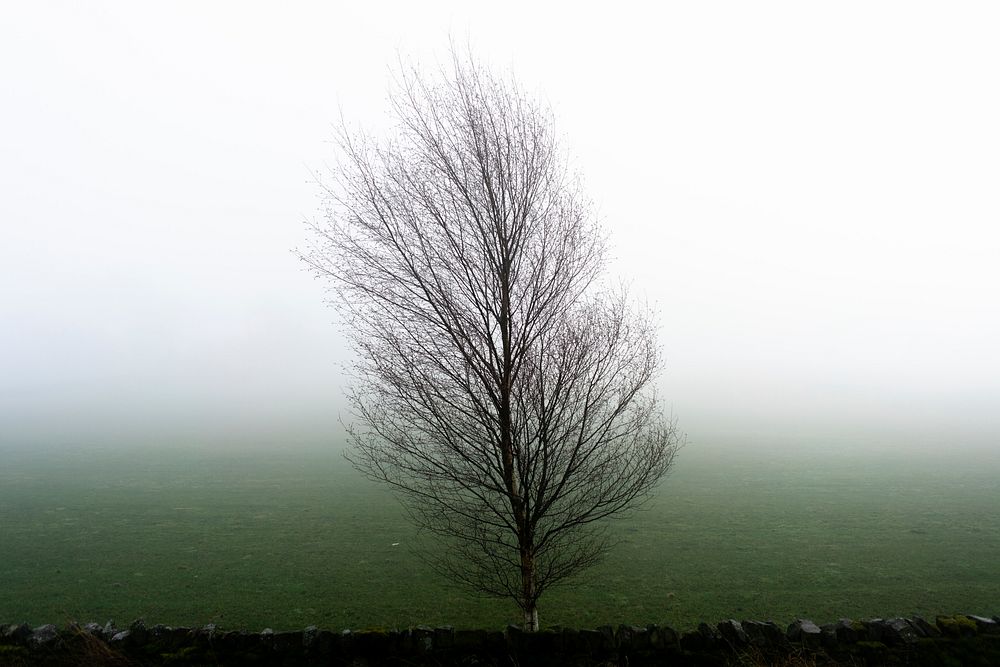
(286, 539)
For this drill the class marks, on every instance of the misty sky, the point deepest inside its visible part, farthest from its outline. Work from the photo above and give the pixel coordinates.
(808, 192)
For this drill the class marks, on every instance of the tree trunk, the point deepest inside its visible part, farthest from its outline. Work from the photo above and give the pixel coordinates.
(531, 619)
(528, 595)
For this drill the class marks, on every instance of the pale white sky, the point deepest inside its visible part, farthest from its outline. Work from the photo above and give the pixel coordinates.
(808, 192)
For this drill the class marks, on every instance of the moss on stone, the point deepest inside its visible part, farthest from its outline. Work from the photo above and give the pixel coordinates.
(12, 651)
(957, 626)
(181, 656)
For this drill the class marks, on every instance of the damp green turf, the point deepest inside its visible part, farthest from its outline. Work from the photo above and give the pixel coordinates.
(287, 538)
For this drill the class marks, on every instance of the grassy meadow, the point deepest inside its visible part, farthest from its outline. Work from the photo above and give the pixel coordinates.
(290, 538)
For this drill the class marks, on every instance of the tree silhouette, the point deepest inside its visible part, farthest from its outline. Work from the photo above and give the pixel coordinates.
(498, 387)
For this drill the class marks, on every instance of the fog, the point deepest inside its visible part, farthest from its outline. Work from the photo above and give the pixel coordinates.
(806, 193)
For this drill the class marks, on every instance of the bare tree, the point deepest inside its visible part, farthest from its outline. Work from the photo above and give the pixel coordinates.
(498, 387)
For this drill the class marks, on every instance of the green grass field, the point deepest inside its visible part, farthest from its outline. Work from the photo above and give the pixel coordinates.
(288, 539)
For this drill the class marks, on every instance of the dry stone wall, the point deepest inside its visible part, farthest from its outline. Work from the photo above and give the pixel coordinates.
(954, 640)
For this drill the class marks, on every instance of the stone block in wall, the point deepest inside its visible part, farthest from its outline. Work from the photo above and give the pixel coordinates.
(138, 633)
(470, 640)
(92, 629)
(120, 638)
(663, 638)
(704, 638)
(849, 632)
(986, 626)
(898, 631)
(496, 641)
(623, 637)
(764, 634)
(344, 642)
(206, 636)
(805, 632)
(632, 638)
(609, 642)
(287, 643)
(593, 642)
(571, 636)
(164, 639)
(379, 643)
(873, 652)
(15, 634)
(924, 628)
(828, 636)
(956, 626)
(733, 634)
(542, 642)
(513, 635)
(420, 638)
(692, 641)
(641, 640)
(230, 642)
(710, 633)
(873, 629)
(444, 637)
(573, 643)
(44, 636)
(323, 645)
(600, 641)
